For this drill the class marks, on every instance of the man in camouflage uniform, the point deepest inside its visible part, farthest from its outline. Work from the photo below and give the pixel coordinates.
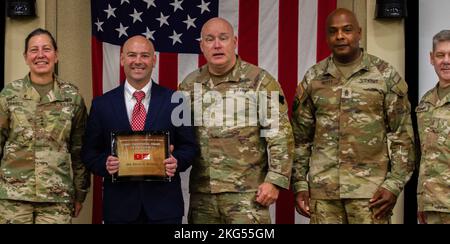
(354, 148)
(433, 115)
(242, 166)
(42, 120)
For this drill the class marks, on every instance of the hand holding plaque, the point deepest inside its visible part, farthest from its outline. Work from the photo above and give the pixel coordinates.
(141, 155)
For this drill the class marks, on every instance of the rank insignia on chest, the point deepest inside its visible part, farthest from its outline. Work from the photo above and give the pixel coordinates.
(346, 93)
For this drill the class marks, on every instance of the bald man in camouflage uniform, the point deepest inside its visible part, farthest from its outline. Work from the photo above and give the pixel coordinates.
(433, 116)
(354, 148)
(42, 121)
(239, 172)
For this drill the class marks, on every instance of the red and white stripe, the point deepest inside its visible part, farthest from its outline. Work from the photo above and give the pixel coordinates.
(285, 37)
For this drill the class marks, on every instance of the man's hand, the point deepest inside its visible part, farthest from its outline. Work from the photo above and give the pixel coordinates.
(267, 194)
(171, 164)
(302, 203)
(112, 165)
(422, 217)
(383, 202)
(77, 206)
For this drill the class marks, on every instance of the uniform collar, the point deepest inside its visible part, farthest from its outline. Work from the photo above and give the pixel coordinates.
(55, 94)
(332, 70)
(232, 76)
(433, 98)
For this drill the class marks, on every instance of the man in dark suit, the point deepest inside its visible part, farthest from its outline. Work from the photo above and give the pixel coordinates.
(125, 109)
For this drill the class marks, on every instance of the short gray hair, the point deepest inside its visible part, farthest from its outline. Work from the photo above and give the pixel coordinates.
(442, 36)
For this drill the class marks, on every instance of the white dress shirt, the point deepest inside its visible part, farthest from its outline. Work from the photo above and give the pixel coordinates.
(130, 101)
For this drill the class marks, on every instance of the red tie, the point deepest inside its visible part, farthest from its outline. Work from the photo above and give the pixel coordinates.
(139, 113)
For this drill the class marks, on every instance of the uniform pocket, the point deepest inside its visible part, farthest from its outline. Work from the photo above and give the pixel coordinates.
(62, 126)
(21, 125)
(442, 130)
(54, 166)
(369, 99)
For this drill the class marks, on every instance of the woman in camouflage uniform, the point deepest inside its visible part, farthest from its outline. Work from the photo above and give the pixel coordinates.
(42, 120)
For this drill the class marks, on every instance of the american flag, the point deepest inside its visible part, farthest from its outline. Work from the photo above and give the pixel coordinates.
(285, 37)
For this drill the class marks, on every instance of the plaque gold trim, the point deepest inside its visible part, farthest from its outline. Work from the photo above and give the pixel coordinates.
(141, 155)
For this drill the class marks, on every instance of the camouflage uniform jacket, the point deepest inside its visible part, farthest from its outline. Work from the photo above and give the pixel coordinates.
(433, 115)
(40, 143)
(342, 129)
(234, 157)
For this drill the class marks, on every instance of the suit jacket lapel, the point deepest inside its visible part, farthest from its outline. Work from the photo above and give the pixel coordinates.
(120, 109)
(154, 107)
